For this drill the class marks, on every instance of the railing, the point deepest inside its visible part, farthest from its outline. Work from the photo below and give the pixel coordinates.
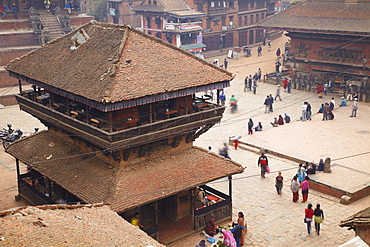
(182, 26)
(30, 193)
(220, 211)
(228, 27)
(125, 138)
(217, 11)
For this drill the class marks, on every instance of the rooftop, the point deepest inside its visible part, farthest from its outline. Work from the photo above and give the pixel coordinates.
(108, 63)
(70, 225)
(168, 6)
(323, 16)
(123, 187)
(361, 218)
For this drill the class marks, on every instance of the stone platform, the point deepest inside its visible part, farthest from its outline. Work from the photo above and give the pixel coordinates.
(334, 183)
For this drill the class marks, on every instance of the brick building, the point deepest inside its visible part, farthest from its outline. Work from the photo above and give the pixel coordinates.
(121, 121)
(69, 225)
(327, 45)
(172, 21)
(122, 12)
(231, 23)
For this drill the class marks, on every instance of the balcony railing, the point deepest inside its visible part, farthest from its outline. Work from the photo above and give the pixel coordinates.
(30, 194)
(228, 27)
(220, 211)
(134, 136)
(182, 26)
(213, 11)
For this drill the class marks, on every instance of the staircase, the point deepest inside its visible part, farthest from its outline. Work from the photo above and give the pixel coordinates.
(51, 25)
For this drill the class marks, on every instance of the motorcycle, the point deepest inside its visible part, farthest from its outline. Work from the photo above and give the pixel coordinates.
(233, 106)
(7, 140)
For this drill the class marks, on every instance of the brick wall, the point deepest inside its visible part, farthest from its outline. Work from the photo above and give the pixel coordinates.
(7, 55)
(11, 24)
(6, 80)
(18, 39)
(8, 100)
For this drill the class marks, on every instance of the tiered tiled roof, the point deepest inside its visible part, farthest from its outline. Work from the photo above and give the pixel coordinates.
(116, 63)
(166, 6)
(70, 225)
(361, 218)
(323, 16)
(123, 187)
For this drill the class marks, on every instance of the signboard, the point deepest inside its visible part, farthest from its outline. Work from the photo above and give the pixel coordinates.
(230, 54)
(187, 27)
(112, 11)
(169, 27)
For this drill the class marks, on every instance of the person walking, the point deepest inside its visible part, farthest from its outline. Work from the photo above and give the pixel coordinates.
(250, 82)
(226, 63)
(294, 187)
(15, 11)
(267, 104)
(250, 127)
(279, 183)
(289, 86)
(272, 102)
(308, 111)
(277, 92)
(308, 217)
(354, 108)
(325, 111)
(301, 173)
(305, 188)
(222, 98)
(350, 92)
(259, 50)
(269, 45)
(319, 216)
(245, 83)
(278, 52)
(254, 82)
(304, 111)
(263, 162)
(259, 74)
(224, 151)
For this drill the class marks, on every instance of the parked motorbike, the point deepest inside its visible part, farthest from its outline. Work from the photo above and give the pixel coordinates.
(247, 51)
(7, 140)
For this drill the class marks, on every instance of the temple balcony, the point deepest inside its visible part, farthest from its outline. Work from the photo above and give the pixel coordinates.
(161, 123)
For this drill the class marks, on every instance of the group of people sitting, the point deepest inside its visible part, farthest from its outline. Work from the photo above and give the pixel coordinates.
(327, 109)
(311, 168)
(234, 237)
(281, 120)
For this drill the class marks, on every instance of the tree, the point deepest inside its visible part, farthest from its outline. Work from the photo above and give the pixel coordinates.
(99, 10)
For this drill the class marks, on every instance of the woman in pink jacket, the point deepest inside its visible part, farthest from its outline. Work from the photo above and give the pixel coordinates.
(305, 188)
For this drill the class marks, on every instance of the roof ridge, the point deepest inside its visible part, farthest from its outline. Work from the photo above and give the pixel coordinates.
(12, 211)
(219, 156)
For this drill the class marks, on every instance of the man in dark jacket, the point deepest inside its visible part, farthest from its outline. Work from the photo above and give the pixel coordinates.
(267, 104)
(263, 162)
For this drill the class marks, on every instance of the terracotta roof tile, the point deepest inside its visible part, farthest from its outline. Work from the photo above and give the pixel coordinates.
(360, 218)
(72, 226)
(116, 63)
(123, 187)
(323, 16)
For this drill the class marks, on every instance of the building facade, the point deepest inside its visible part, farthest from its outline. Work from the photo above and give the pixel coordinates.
(121, 127)
(172, 21)
(230, 23)
(325, 48)
(122, 12)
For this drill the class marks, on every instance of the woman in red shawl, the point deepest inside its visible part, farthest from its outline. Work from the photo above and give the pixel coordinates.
(319, 89)
(285, 82)
(211, 228)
